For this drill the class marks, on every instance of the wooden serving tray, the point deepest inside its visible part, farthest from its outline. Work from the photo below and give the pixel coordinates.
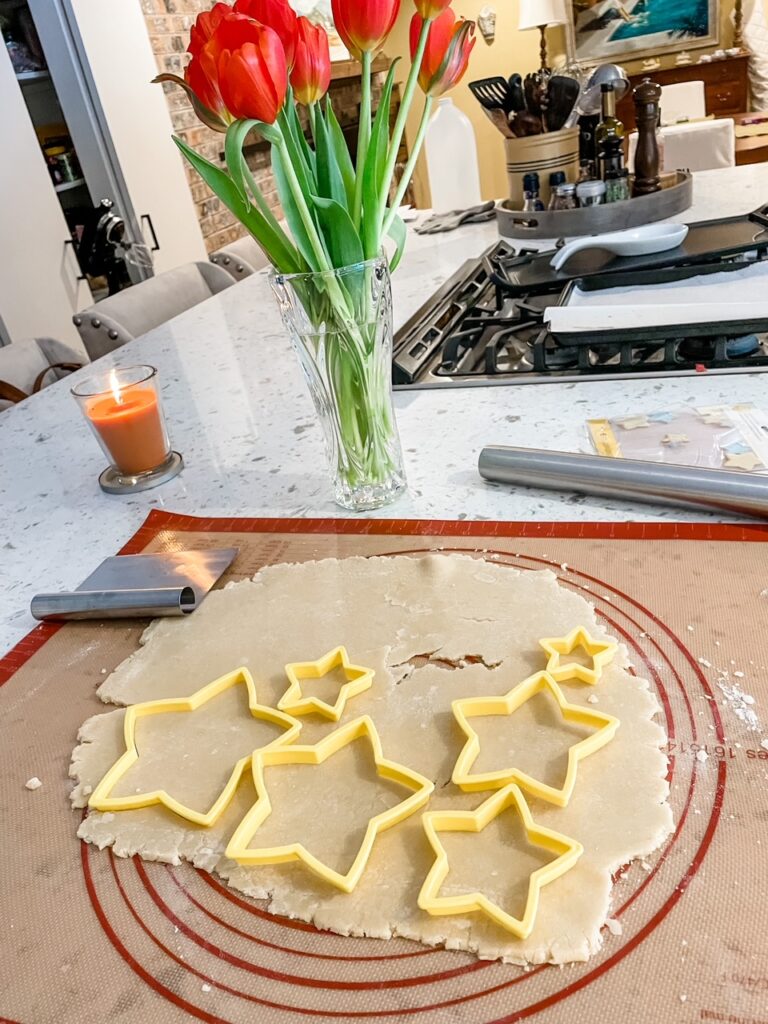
(675, 197)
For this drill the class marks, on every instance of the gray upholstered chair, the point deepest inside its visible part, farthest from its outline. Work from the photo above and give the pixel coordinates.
(115, 321)
(241, 259)
(28, 366)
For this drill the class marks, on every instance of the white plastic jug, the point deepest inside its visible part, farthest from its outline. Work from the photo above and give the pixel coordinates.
(451, 149)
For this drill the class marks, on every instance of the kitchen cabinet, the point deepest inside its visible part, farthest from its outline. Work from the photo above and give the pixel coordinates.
(114, 42)
(726, 86)
(91, 80)
(40, 286)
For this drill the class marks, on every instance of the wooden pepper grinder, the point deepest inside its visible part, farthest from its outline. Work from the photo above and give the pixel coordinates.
(648, 159)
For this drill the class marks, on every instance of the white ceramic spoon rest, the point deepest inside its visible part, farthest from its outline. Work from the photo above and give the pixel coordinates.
(642, 241)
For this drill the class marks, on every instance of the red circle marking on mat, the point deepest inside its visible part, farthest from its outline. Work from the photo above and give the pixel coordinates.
(429, 979)
(232, 897)
(703, 681)
(287, 949)
(553, 998)
(291, 979)
(436, 976)
(474, 996)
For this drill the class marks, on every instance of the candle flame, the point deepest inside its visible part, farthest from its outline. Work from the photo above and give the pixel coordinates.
(115, 386)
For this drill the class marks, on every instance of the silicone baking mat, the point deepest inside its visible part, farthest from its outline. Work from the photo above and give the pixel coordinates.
(87, 937)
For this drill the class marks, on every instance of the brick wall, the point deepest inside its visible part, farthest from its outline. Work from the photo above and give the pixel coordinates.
(168, 24)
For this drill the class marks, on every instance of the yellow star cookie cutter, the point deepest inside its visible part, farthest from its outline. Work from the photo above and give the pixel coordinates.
(474, 707)
(602, 653)
(293, 701)
(238, 848)
(102, 801)
(568, 852)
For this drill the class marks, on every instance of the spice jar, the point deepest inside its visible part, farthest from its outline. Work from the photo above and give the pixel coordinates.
(68, 164)
(591, 193)
(556, 179)
(565, 198)
(53, 155)
(617, 186)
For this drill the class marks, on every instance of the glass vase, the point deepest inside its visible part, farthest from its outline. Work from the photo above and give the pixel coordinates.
(340, 324)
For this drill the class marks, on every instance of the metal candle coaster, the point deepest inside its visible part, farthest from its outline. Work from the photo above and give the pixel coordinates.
(112, 481)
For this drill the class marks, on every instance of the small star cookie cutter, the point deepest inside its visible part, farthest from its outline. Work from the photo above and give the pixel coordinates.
(568, 852)
(475, 707)
(601, 652)
(238, 848)
(359, 679)
(101, 800)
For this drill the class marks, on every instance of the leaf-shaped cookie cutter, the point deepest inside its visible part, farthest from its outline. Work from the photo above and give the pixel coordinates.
(475, 707)
(568, 852)
(293, 700)
(601, 652)
(239, 849)
(101, 800)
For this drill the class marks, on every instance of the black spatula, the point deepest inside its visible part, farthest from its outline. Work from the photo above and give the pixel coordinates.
(562, 96)
(493, 93)
(516, 93)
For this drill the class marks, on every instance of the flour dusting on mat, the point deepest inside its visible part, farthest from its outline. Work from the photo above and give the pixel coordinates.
(740, 703)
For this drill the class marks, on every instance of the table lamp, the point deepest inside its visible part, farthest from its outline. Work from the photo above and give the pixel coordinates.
(540, 14)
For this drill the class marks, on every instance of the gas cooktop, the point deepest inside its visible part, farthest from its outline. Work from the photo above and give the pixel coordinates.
(484, 328)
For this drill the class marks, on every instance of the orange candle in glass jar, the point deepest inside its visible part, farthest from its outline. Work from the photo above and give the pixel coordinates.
(131, 427)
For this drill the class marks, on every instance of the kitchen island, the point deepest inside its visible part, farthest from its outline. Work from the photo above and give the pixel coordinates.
(240, 414)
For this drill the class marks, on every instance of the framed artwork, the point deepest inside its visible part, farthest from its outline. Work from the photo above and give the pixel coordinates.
(320, 12)
(616, 30)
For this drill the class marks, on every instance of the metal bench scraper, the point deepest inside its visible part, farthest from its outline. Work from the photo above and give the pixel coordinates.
(139, 586)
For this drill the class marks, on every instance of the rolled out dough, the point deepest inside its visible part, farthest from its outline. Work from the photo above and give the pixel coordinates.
(434, 628)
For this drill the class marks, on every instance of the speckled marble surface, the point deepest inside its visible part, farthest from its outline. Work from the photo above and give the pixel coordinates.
(239, 412)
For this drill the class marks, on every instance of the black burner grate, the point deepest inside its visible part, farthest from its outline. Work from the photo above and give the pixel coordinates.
(476, 331)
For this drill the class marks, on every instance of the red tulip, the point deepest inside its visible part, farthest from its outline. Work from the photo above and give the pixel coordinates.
(206, 90)
(364, 24)
(311, 75)
(251, 68)
(277, 15)
(431, 9)
(205, 26)
(449, 46)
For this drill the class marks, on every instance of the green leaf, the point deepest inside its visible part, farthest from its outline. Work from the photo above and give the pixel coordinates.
(375, 169)
(291, 211)
(302, 157)
(330, 184)
(341, 239)
(398, 232)
(309, 155)
(274, 242)
(341, 152)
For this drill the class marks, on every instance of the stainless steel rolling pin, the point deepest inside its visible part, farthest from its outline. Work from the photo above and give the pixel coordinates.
(628, 480)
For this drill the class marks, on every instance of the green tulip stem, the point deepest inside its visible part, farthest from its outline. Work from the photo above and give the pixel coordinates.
(363, 138)
(301, 204)
(410, 167)
(312, 111)
(402, 118)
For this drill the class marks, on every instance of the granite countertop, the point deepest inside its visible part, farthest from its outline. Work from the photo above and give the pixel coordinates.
(239, 412)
